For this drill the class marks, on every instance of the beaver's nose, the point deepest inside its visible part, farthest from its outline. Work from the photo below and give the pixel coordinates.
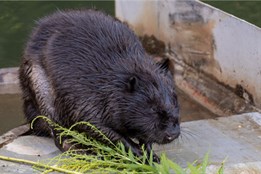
(172, 133)
(170, 138)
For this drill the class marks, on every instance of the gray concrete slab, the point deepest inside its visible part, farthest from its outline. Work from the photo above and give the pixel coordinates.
(31, 148)
(236, 139)
(11, 168)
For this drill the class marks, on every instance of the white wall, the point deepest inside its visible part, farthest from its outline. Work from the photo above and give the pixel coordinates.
(226, 48)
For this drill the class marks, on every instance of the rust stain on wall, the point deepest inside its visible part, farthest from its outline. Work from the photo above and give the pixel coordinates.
(152, 45)
(193, 40)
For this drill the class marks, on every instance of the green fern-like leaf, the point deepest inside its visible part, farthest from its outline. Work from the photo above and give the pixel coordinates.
(112, 158)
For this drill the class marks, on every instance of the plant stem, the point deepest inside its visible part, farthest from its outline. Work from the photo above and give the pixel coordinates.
(37, 164)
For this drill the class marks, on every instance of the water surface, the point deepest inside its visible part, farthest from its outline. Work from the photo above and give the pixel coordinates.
(18, 17)
(11, 114)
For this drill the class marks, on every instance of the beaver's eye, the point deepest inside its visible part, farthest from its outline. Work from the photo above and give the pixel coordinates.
(132, 84)
(153, 110)
(162, 113)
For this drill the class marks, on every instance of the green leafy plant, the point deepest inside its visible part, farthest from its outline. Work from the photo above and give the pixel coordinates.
(112, 158)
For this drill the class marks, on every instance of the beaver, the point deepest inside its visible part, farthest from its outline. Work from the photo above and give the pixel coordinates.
(84, 65)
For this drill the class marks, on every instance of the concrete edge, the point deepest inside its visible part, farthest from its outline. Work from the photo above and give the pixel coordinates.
(9, 75)
(9, 81)
(13, 134)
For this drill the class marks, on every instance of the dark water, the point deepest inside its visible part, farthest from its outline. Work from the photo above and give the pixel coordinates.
(11, 114)
(17, 19)
(249, 10)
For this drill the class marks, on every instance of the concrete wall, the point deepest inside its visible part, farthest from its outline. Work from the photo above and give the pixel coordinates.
(221, 46)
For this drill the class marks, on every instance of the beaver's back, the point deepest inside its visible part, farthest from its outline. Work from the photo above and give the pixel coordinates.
(82, 54)
(82, 37)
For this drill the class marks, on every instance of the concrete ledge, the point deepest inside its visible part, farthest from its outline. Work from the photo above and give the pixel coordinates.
(9, 81)
(235, 139)
(13, 134)
(8, 75)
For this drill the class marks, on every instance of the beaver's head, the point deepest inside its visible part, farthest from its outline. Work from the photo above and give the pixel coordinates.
(147, 105)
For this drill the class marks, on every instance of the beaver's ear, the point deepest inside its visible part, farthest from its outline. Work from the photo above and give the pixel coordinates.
(164, 64)
(132, 83)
